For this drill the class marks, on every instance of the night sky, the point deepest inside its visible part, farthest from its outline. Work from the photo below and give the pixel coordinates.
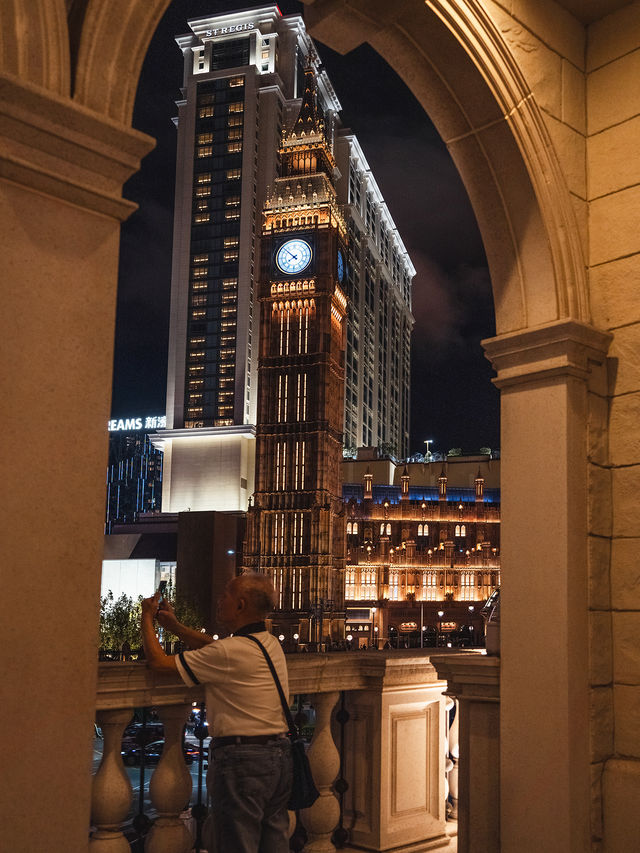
(453, 401)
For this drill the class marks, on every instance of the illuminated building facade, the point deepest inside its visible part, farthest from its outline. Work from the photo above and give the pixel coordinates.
(295, 529)
(134, 472)
(243, 76)
(421, 538)
(378, 282)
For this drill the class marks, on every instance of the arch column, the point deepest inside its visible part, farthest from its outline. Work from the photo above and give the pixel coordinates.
(553, 383)
(62, 167)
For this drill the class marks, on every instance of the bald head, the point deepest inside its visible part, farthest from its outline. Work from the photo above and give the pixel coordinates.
(258, 592)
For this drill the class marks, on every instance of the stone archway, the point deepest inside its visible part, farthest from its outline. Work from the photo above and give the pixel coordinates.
(68, 92)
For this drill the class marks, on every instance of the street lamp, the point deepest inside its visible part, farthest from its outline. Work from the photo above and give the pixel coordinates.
(373, 619)
(440, 615)
(428, 441)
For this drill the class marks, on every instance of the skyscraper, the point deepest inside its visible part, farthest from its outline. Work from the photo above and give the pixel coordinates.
(243, 85)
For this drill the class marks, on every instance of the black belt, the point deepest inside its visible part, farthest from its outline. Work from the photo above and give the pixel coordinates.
(240, 739)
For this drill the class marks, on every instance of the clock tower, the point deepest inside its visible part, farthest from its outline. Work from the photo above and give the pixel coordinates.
(295, 530)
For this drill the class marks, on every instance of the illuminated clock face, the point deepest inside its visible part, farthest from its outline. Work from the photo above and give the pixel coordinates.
(340, 266)
(293, 257)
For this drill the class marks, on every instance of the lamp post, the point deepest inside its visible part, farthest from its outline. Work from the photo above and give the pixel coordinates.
(440, 615)
(428, 441)
(373, 626)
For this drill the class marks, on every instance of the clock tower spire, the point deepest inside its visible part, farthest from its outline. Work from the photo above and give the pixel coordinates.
(295, 530)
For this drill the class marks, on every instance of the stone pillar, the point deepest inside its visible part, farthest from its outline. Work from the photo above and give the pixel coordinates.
(474, 680)
(170, 788)
(322, 818)
(395, 763)
(111, 793)
(546, 375)
(61, 172)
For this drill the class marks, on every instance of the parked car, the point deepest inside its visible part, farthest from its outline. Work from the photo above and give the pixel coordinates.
(131, 753)
(135, 733)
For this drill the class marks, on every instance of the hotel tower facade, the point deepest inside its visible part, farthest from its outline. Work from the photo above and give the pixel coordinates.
(243, 86)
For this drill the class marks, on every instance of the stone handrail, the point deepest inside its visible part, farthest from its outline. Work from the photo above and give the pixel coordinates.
(395, 705)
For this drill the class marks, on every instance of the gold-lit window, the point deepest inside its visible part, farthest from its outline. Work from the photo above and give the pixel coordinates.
(199, 272)
(195, 399)
(236, 81)
(202, 205)
(225, 381)
(196, 354)
(237, 107)
(196, 383)
(226, 325)
(229, 283)
(234, 133)
(199, 259)
(196, 341)
(205, 151)
(199, 299)
(234, 174)
(203, 178)
(200, 218)
(232, 201)
(231, 242)
(232, 214)
(202, 192)
(196, 368)
(231, 255)
(198, 314)
(226, 311)
(205, 112)
(234, 121)
(234, 147)
(205, 138)
(229, 297)
(199, 285)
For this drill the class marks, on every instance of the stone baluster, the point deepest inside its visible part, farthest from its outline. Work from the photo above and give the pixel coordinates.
(453, 756)
(321, 819)
(111, 792)
(170, 787)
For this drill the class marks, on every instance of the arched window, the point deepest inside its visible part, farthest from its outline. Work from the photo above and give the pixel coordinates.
(348, 528)
(382, 529)
(457, 530)
(388, 530)
(425, 530)
(463, 530)
(419, 530)
(355, 527)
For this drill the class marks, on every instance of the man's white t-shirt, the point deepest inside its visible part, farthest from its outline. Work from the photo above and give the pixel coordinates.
(242, 697)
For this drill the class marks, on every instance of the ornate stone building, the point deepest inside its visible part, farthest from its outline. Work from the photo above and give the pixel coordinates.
(421, 538)
(295, 526)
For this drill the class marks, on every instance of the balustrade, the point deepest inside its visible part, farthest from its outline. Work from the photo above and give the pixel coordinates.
(393, 762)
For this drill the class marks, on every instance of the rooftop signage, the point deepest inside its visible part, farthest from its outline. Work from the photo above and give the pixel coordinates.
(232, 28)
(136, 424)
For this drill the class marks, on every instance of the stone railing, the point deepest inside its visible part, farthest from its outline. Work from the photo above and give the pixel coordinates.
(394, 739)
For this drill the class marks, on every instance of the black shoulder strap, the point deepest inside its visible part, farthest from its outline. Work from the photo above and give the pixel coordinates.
(293, 730)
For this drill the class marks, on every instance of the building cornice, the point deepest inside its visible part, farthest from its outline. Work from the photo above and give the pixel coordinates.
(562, 348)
(57, 147)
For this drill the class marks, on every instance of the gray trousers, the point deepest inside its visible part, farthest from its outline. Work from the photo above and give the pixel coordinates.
(249, 786)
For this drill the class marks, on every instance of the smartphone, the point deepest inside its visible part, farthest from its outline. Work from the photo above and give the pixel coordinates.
(162, 589)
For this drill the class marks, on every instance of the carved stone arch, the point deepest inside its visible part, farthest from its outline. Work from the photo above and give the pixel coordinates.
(457, 64)
(35, 43)
(113, 45)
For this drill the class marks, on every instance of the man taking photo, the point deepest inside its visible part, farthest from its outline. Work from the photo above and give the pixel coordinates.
(249, 776)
